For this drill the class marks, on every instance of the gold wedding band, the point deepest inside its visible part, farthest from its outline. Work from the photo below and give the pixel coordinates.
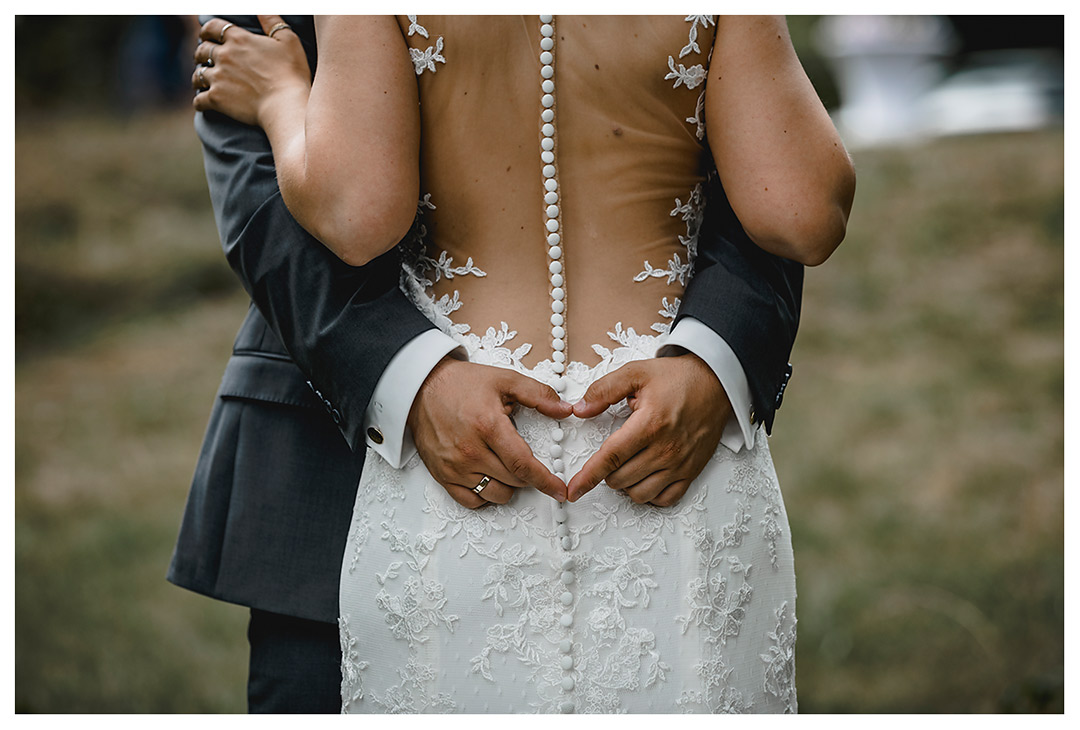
(221, 35)
(276, 28)
(480, 487)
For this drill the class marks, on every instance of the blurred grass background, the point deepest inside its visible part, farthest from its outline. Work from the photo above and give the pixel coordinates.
(920, 445)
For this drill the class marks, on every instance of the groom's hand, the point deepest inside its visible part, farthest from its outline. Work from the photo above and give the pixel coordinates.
(460, 422)
(680, 410)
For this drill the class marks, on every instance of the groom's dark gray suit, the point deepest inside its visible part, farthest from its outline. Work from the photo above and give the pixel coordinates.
(272, 496)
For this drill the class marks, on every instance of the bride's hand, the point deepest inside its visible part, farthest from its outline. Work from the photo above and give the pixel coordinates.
(242, 74)
(460, 422)
(680, 410)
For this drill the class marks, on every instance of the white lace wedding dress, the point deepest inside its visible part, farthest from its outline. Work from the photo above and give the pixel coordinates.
(546, 215)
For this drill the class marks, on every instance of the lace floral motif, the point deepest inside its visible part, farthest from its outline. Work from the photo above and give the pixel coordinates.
(780, 661)
(419, 606)
(756, 478)
(495, 346)
(690, 76)
(424, 60)
(695, 20)
(410, 696)
(352, 684)
(698, 120)
(692, 213)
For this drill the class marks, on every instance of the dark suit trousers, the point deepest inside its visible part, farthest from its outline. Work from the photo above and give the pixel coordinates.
(295, 665)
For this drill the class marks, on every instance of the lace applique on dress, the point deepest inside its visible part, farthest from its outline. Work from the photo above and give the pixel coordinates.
(695, 20)
(695, 74)
(424, 60)
(352, 683)
(693, 210)
(420, 271)
(410, 695)
(756, 478)
(698, 119)
(693, 77)
(780, 661)
(417, 268)
(692, 213)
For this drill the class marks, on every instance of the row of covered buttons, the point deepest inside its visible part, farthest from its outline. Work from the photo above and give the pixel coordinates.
(566, 646)
(552, 221)
(553, 226)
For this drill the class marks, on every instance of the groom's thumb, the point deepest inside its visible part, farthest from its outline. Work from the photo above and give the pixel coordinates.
(269, 21)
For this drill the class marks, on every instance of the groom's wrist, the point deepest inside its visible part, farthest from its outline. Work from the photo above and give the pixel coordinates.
(691, 335)
(387, 414)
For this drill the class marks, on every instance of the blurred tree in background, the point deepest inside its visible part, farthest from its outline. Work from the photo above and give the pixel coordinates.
(102, 62)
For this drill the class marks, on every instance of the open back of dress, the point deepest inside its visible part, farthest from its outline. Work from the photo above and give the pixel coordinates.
(629, 157)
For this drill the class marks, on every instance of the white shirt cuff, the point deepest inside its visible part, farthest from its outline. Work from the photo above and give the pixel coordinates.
(385, 426)
(699, 339)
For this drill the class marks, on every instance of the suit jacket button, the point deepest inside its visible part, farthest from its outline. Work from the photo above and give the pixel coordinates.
(375, 435)
(336, 416)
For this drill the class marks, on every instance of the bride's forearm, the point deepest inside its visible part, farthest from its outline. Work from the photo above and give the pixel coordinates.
(346, 145)
(347, 150)
(283, 118)
(786, 172)
(320, 192)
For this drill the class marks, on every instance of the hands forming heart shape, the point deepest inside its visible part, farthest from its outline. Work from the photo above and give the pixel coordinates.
(462, 430)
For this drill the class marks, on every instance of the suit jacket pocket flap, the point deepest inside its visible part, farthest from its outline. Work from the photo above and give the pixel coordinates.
(268, 379)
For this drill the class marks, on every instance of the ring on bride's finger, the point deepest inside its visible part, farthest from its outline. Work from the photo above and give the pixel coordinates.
(480, 487)
(276, 28)
(210, 60)
(202, 79)
(221, 35)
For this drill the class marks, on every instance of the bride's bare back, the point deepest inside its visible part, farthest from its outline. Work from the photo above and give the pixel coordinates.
(630, 156)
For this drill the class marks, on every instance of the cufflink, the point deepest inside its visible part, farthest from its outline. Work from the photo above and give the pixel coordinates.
(375, 435)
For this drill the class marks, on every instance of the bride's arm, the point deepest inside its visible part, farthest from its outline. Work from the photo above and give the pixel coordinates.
(346, 146)
(788, 177)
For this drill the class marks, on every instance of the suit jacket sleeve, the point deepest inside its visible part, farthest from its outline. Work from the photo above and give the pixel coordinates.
(341, 324)
(750, 298)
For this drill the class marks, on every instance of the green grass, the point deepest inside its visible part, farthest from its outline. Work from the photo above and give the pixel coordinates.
(920, 445)
(113, 389)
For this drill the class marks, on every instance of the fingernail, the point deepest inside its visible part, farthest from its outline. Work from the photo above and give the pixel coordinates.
(581, 403)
